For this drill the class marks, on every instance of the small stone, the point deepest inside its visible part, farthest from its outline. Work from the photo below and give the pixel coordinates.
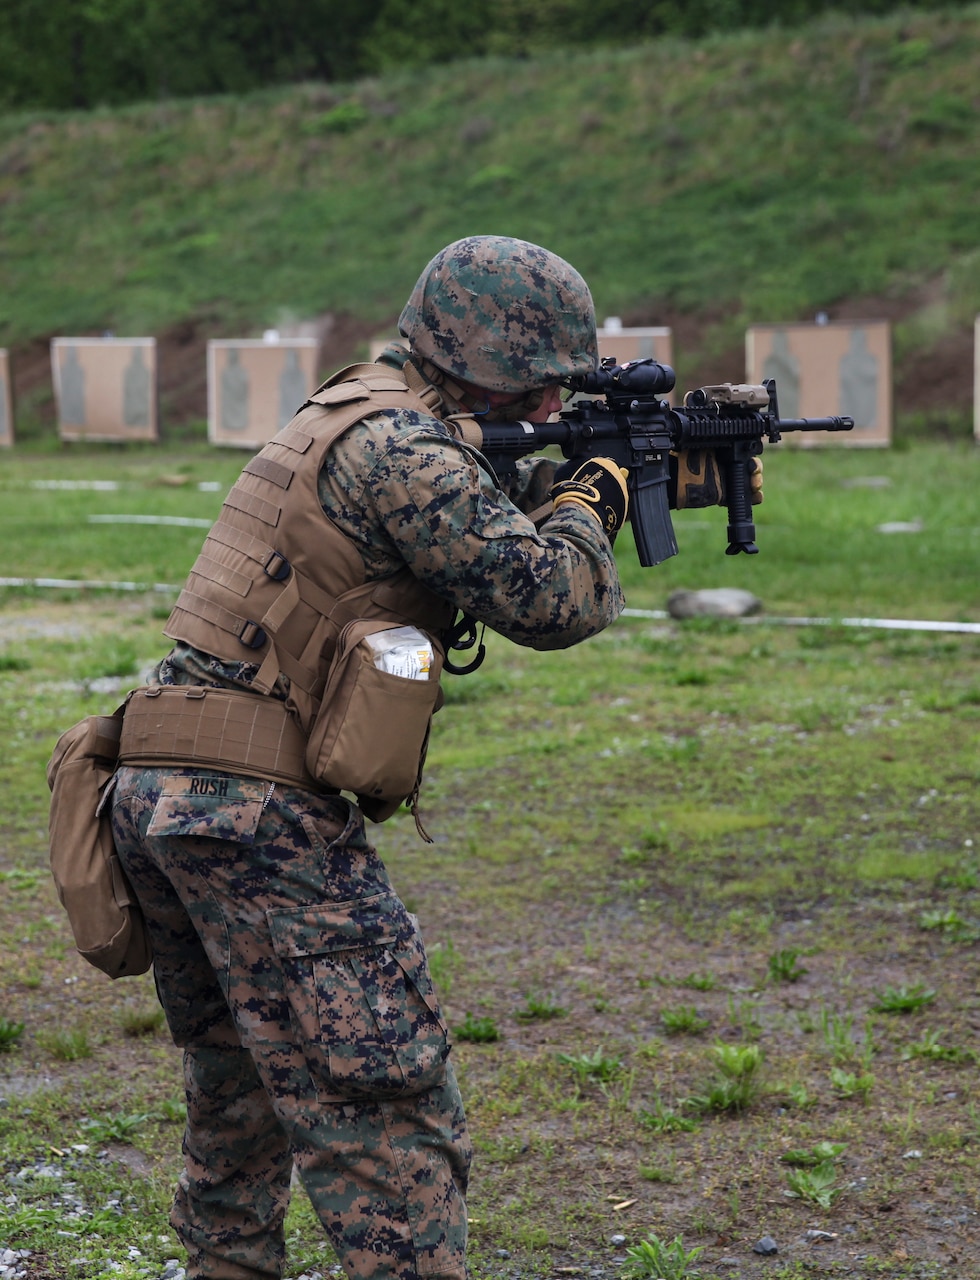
(503, 1253)
(717, 602)
(617, 1240)
(912, 1155)
(813, 1234)
(766, 1246)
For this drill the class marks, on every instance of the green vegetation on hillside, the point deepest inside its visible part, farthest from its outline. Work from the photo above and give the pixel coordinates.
(759, 176)
(63, 54)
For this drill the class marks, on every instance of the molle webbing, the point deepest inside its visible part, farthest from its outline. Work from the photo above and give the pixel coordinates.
(274, 472)
(276, 580)
(241, 733)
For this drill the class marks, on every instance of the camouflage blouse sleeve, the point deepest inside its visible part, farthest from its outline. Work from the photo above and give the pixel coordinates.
(408, 493)
(532, 484)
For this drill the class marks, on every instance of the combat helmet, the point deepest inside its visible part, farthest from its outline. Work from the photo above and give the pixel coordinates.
(503, 314)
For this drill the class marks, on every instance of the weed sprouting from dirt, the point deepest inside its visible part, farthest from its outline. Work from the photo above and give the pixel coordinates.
(114, 1128)
(664, 1119)
(540, 1006)
(478, 1030)
(10, 1034)
(597, 1067)
(784, 966)
(684, 1019)
(68, 1044)
(655, 1259)
(141, 1020)
(904, 999)
(817, 1185)
(737, 1082)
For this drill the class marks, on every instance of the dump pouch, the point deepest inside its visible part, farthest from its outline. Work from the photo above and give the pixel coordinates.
(371, 731)
(103, 912)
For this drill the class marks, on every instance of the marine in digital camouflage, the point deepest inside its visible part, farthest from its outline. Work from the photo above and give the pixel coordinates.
(407, 492)
(296, 982)
(503, 314)
(289, 970)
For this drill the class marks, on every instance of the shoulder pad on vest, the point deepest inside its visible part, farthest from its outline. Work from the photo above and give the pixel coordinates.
(388, 380)
(344, 393)
(358, 382)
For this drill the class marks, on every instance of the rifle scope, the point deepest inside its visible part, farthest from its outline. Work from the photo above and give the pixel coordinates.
(637, 378)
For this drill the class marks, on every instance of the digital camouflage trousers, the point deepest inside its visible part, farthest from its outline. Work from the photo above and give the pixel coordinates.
(296, 983)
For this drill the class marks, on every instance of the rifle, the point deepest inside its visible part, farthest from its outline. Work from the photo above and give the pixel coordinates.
(638, 430)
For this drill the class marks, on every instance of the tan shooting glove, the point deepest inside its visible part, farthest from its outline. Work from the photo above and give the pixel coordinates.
(700, 482)
(755, 481)
(598, 485)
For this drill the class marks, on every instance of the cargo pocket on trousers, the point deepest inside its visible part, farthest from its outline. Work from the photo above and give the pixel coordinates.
(361, 996)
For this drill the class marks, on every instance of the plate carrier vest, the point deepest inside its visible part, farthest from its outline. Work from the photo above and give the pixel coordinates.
(276, 579)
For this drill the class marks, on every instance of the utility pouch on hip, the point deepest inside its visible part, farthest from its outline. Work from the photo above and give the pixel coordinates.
(103, 912)
(371, 731)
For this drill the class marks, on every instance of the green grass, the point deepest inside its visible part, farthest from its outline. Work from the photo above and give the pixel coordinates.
(606, 830)
(711, 178)
(148, 481)
(820, 551)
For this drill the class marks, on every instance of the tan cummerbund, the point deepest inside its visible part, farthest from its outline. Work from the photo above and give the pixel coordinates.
(243, 733)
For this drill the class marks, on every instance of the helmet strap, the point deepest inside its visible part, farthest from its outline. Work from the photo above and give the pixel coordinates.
(453, 393)
(423, 387)
(477, 405)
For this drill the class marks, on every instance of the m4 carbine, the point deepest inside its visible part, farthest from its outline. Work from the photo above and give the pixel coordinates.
(639, 431)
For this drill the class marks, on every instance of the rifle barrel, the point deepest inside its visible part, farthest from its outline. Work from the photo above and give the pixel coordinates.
(815, 424)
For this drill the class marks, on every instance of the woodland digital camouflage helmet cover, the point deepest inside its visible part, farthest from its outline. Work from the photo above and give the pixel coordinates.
(503, 314)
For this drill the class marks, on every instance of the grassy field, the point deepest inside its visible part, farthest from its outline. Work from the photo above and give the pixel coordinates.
(708, 184)
(818, 528)
(703, 904)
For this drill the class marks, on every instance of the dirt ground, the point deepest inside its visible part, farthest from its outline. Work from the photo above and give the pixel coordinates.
(909, 1196)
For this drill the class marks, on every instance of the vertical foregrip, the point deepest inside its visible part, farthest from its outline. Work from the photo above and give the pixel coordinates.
(741, 529)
